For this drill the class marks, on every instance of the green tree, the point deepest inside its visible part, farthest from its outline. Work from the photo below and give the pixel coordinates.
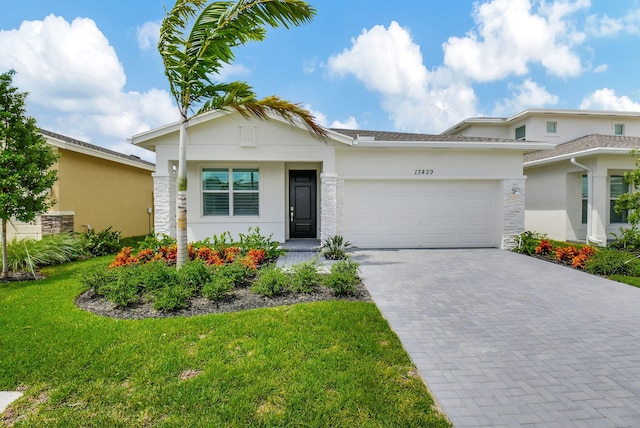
(196, 40)
(631, 201)
(26, 175)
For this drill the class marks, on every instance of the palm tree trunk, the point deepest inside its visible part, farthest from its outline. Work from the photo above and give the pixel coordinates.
(5, 259)
(181, 199)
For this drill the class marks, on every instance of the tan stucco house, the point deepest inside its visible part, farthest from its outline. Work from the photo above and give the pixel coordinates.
(97, 188)
(572, 188)
(377, 189)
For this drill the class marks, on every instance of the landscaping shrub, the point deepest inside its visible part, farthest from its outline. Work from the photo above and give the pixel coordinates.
(305, 277)
(101, 243)
(153, 276)
(566, 254)
(528, 241)
(255, 240)
(271, 281)
(239, 273)
(343, 277)
(27, 254)
(172, 297)
(218, 287)
(194, 274)
(544, 248)
(627, 239)
(123, 290)
(335, 248)
(612, 262)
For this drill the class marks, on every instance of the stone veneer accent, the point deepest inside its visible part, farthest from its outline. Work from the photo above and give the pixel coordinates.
(328, 205)
(53, 224)
(164, 188)
(513, 212)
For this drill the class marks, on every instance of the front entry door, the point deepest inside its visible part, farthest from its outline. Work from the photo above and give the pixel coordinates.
(302, 204)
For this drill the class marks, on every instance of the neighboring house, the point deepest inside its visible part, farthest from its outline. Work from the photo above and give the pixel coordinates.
(377, 189)
(571, 189)
(97, 188)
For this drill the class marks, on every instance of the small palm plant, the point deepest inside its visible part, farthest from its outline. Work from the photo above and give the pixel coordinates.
(335, 248)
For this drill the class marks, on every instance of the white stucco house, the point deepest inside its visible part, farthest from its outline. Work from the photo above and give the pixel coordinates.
(377, 189)
(571, 189)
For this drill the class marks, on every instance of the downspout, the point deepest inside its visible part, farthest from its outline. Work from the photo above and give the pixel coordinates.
(589, 203)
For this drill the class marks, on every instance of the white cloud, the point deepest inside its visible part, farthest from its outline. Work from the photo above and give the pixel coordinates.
(230, 72)
(601, 68)
(604, 25)
(148, 34)
(527, 95)
(387, 61)
(606, 99)
(321, 118)
(76, 82)
(350, 123)
(511, 35)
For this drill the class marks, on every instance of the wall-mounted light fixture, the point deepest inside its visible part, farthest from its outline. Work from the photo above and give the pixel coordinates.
(515, 189)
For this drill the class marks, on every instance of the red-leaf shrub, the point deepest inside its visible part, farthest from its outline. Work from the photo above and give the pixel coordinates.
(545, 248)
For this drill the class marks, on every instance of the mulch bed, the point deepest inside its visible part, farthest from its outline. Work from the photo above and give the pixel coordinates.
(21, 276)
(242, 300)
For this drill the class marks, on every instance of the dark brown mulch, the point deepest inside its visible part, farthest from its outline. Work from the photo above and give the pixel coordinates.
(242, 300)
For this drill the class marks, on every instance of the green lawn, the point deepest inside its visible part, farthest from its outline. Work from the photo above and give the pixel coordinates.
(322, 364)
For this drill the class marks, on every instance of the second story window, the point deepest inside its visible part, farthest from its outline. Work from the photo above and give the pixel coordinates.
(520, 133)
(618, 129)
(552, 127)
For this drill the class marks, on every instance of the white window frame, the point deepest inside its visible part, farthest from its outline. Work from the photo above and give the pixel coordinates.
(554, 124)
(524, 132)
(625, 216)
(230, 191)
(617, 126)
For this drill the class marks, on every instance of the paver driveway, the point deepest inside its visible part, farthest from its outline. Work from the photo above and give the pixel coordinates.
(507, 340)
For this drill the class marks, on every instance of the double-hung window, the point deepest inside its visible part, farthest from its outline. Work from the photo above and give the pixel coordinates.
(230, 192)
(618, 129)
(552, 127)
(617, 187)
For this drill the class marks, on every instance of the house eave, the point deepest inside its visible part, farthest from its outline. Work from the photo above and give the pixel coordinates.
(580, 154)
(98, 154)
(525, 147)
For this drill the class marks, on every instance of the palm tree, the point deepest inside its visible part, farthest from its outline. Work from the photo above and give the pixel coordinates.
(196, 41)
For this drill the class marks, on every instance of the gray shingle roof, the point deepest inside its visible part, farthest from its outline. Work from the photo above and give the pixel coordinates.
(94, 147)
(588, 142)
(405, 136)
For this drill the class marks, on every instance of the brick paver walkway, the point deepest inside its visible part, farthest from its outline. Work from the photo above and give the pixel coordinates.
(505, 340)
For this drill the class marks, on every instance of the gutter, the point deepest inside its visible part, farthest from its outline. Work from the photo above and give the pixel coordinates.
(589, 203)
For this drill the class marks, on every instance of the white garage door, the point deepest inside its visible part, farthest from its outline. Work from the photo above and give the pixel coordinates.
(419, 214)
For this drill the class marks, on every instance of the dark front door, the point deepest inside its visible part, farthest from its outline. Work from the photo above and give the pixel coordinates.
(302, 204)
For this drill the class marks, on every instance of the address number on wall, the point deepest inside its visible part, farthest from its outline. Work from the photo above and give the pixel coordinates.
(423, 172)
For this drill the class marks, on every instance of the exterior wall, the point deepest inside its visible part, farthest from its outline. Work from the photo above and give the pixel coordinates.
(103, 194)
(554, 201)
(546, 200)
(273, 147)
(400, 164)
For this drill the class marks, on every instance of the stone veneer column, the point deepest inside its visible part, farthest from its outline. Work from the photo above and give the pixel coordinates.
(328, 205)
(164, 191)
(513, 212)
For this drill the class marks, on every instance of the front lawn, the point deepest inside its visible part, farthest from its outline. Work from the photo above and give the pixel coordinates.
(331, 363)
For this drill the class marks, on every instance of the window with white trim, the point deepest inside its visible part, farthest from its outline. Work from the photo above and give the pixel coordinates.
(552, 127)
(617, 187)
(618, 129)
(230, 192)
(521, 133)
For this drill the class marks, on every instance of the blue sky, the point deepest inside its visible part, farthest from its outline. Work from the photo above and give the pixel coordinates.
(93, 72)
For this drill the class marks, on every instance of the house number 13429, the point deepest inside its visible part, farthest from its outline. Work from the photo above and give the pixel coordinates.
(423, 172)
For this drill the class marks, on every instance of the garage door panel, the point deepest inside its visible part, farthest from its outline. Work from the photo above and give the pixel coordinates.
(432, 214)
